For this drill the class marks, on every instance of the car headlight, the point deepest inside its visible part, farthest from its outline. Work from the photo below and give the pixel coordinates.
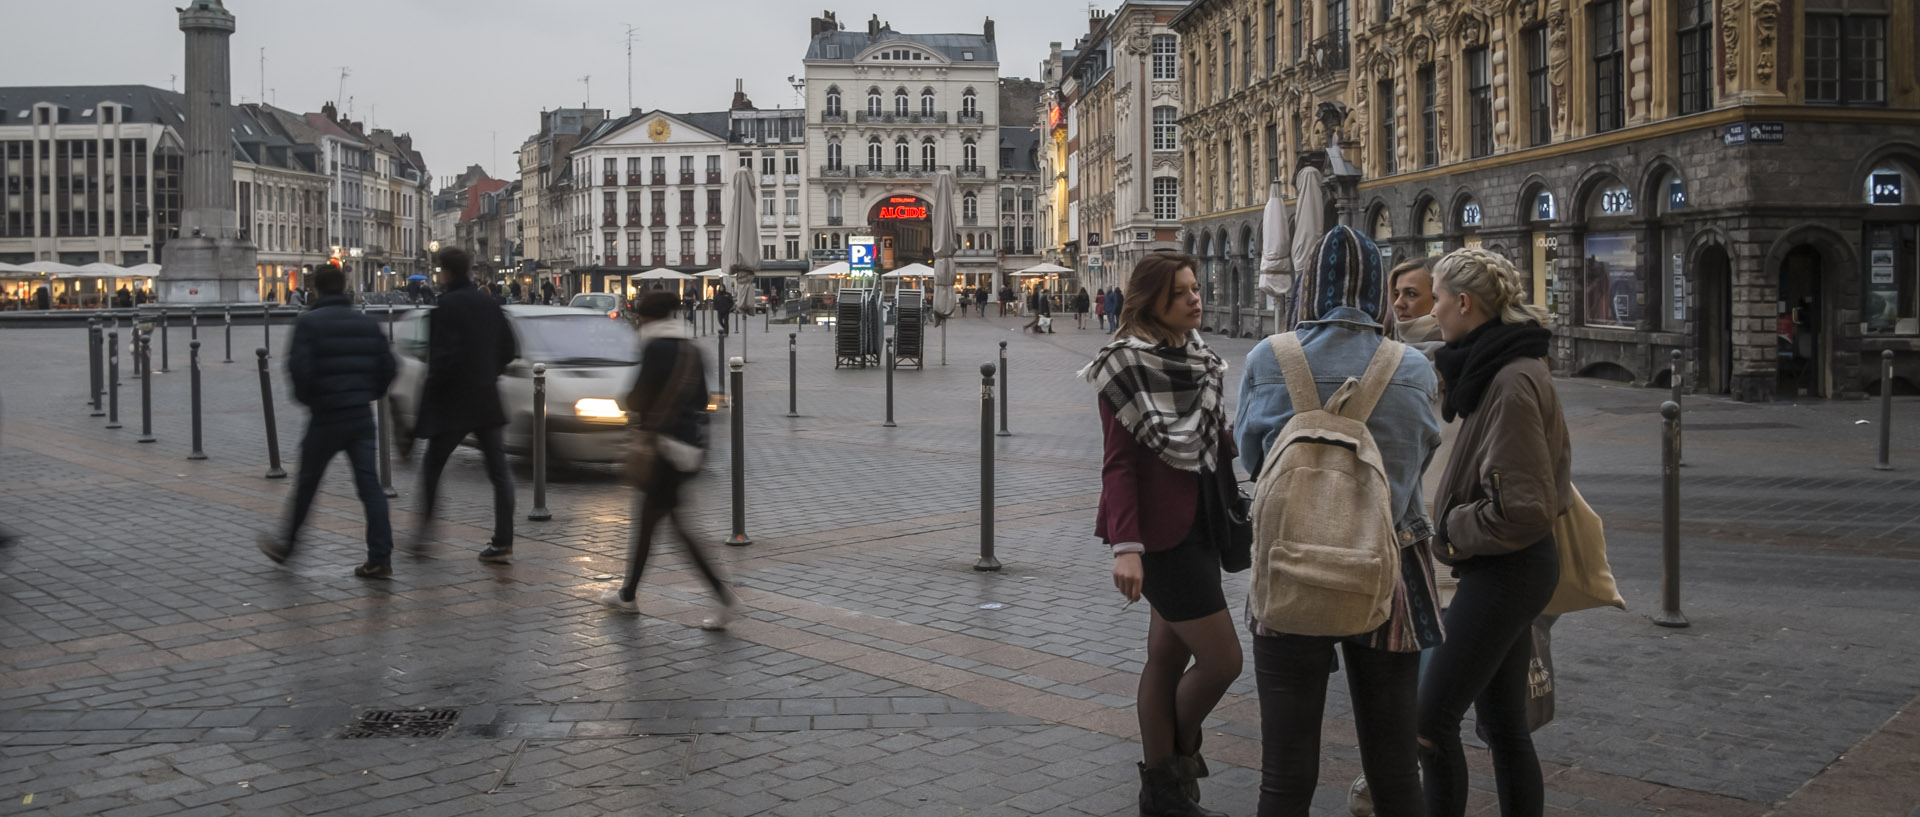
(598, 408)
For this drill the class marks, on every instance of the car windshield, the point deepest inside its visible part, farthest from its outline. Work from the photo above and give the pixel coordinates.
(585, 339)
(601, 302)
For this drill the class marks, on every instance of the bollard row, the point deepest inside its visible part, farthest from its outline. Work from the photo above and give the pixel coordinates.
(739, 445)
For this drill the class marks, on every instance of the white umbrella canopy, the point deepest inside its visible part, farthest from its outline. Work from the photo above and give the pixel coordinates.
(943, 244)
(660, 274)
(1276, 252)
(143, 270)
(712, 273)
(912, 271)
(835, 268)
(1309, 222)
(740, 244)
(1043, 268)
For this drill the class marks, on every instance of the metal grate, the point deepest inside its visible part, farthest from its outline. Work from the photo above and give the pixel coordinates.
(402, 723)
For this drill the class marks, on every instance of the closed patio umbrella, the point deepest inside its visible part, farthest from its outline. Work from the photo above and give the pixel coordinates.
(1276, 252)
(943, 246)
(1309, 222)
(740, 244)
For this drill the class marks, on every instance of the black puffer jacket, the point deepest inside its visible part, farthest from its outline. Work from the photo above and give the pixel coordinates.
(339, 362)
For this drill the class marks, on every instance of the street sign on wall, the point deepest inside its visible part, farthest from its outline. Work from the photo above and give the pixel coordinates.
(860, 254)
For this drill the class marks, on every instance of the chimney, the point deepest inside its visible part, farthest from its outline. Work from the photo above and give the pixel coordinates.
(740, 100)
(873, 27)
(331, 113)
(823, 24)
(989, 29)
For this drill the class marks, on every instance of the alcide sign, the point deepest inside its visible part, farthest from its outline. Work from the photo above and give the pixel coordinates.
(903, 208)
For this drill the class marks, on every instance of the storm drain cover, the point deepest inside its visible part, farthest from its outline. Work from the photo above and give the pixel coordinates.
(402, 723)
(595, 763)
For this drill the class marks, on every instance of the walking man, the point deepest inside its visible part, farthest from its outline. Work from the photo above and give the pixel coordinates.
(340, 365)
(469, 345)
(723, 308)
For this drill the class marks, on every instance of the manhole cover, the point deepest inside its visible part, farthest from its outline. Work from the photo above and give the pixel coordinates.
(402, 723)
(1736, 426)
(600, 763)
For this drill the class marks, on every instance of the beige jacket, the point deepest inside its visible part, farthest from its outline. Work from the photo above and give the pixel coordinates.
(1510, 475)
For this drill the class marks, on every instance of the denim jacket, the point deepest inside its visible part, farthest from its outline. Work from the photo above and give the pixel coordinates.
(1403, 423)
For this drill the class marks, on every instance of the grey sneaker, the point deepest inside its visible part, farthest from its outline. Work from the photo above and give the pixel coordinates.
(1360, 798)
(496, 555)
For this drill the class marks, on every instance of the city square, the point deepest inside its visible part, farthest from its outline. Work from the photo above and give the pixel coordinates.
(1707, 199)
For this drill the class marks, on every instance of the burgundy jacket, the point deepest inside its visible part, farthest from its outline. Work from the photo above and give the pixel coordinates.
(1142, 498)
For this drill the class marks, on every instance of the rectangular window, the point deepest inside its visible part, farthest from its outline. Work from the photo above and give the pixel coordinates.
(1429, 118)
(1226, 169)
(1389, 147)
(633, 170)
(686, 246)
(1166, 128)
(1846, 59)
(713, 244)
(1267, 24)
(793, 248)
(1694, 48)
(1609, 75)
(792, 162)
(1226, 65)
(1539, 121)
(1166, 198)
(1612, 294)
(1246, 49)
(1273, 152)
(1480, 102)
(1166, 58)
(1298, 46)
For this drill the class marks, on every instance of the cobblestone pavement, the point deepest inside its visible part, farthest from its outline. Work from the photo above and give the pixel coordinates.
(156, 664)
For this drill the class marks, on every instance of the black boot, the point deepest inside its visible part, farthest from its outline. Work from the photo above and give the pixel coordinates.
(1160, 794)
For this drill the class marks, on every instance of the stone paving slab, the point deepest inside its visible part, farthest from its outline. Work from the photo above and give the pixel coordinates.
(139, 630)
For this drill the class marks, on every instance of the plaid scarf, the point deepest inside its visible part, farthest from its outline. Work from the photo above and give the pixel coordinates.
(1168, 396)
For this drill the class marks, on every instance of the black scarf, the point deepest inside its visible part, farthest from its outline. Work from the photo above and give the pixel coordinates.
(1467, 365)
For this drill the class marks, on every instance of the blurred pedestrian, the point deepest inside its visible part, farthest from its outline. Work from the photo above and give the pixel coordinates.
(1114, 303)
(546, 291)
(1169, 458)
(667, 408)
(43, 298)
(1081, 304)
(339, 365)
(723, 308)
(469, 345)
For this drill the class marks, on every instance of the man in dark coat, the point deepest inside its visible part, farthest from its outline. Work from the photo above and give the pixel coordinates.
(339, 365)
(469, 344)
(43, 297)
(723, 308)
(546, 291)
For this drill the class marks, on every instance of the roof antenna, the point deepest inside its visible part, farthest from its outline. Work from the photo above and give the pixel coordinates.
(341, 91)
(171, 82)
(587, 83)
(630, 30)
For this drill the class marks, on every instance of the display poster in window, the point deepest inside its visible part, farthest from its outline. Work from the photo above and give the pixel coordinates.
(1883, 293)
(1679, 288)
(1435, 249)
(1612, 285)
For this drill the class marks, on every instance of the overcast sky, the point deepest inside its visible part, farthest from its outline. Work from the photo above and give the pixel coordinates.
(465, 76)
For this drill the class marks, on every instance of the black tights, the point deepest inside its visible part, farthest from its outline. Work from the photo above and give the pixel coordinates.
(655, 508)
(1175, 698)
(1483, 663)
(1292, 671)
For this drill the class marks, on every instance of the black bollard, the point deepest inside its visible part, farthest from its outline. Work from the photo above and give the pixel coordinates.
(274, 471)
(1675, 378)
(164, 333)
(793, 375)
(1003, 391)
(229, 311)
(889, 364)
(193, 323)
(739, 445)
(1886, 411)
(539, 513)
(987, 561)
(390, 311)
(1670, 615)
(146, 387)
(722, 361)
(113, 378)
(94, 374)
(193, 380)
(266, 327)
(384, 413)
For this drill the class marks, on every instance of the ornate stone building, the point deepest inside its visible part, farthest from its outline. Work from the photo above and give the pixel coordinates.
(1732, 179)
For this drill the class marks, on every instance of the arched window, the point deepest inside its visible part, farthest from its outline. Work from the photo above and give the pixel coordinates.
(1166, 128)
(970, 207)
(874, 155)
(969, 103)
(833, 153)
(833, 101)
(902, 155)
(873, 101)
(927, 154)
(900, 102)
(926, 102)
(968, 241)
(969, 155)
(986, 240)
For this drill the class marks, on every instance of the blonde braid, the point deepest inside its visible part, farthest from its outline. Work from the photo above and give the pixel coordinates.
(1490, 278)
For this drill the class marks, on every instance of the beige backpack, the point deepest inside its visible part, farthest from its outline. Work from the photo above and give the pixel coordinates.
(1326, 560)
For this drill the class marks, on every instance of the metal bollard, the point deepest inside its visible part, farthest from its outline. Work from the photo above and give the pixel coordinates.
(889, 423)
(1003, 391)
(146, 387)
(1886, 411)
(1670, 615)
(390, 311)
(193, 375)
(274, 471)
(943, 340)
(193, 323)
(722, 361)
(987, 562)
(133, 347)
(113, 378)
(266, 328)
(384, 413)
(793, 374)
(739, 444)
(1675, 378)
(539, 513)
(94, 374)
(164, 365)
(229, 311)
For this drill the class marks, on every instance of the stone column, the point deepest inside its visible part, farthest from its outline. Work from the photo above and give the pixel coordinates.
(208, 262)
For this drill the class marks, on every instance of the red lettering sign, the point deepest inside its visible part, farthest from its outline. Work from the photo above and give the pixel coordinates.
(903, 213)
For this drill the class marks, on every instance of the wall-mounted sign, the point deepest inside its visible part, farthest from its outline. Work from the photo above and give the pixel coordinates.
(1617, 201)
(1767, 133)
(1470, 214)
(1543, 209)
(1736, 134)
(1886, 187)
(903, 208)
(1676, 194)
(1882, 263)
(1093, 239)
(1679, 288)
(860, 253)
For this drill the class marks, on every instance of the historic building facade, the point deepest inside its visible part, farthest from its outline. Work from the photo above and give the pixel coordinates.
(648, 191)
(1731, 179)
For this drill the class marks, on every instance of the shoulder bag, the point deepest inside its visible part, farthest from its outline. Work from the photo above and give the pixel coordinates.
(643, 444)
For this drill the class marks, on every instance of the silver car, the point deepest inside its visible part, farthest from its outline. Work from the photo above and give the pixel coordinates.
(591, 362)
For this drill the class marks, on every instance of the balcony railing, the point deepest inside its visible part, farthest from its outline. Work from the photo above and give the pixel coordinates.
(686, 259)
(835, 171)
(768, 179)
(790, 179)
(659, 260)
(686, 218)
(1327, 55)
(713, 216)
(659, 219)
(833, 117)
(634, 180)
(971, 172)
(909, 118)
(897, 172)
(609, 180)
(713, 177)
(609, 221)
(767, 219)
(836, 221)
(790, 220)
(971, 118)
(659, 178)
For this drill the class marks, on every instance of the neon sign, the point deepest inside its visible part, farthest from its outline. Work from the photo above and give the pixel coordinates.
(903, 208)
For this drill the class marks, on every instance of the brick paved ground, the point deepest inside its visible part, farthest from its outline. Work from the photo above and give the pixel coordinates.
(155, 664)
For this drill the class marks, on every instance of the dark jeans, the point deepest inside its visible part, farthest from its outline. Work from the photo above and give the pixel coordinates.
(1291, 672)
(316, 451)
(1483, 663)
(661, 504)
(439, 448)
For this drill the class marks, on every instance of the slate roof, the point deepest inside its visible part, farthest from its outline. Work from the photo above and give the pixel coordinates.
(715, 123)
(1024, 140)
(949, 45)
(260, 142)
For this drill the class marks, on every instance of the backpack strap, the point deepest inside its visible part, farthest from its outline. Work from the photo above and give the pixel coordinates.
(1301, 390)
(1386, 361)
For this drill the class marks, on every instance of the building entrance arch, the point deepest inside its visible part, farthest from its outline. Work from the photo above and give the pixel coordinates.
(903, 229)
(1714, 277)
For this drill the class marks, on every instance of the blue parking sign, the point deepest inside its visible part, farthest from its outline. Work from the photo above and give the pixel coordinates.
(860, 257)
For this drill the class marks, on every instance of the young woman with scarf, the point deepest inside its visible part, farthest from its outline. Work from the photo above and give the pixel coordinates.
(1341, 315)
(1168, 466)
(1506, 482)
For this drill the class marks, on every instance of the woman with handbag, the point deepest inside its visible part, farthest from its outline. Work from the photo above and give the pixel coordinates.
(667, 415)
(1341, 321)
(1165, 484)
(1506, 483)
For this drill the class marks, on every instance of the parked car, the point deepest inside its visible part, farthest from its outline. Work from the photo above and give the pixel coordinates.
(590, 365)
(605, 303)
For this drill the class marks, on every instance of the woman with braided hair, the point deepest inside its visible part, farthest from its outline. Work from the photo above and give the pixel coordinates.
(1505, 483)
